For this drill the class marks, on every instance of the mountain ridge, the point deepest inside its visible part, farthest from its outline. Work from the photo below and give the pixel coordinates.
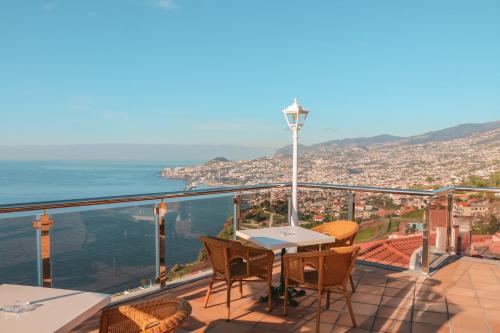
(449, 133)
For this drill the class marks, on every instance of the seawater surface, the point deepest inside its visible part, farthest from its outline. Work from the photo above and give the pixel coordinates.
(107, 248)
(28, 181)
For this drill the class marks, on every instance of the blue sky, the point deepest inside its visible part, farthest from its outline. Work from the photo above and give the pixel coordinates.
(220, 71)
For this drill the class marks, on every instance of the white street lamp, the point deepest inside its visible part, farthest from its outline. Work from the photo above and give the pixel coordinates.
(295, 116)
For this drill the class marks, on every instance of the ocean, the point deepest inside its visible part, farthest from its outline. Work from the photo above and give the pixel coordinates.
(100, 248)
(28, 181)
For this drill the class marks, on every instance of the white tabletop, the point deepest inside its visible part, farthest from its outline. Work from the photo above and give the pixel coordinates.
(282, 237)
(60, 310)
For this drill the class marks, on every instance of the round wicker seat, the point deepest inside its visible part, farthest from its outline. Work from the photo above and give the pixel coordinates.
(158, 315)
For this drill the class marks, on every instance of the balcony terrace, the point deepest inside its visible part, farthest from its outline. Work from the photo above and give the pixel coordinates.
(461, 297)
(420, 286)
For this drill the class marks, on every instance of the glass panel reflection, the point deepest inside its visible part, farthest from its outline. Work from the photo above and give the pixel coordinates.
(108, 250)
(18, 264)
(185, 222)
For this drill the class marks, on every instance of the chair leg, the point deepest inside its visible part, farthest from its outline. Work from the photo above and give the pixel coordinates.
(285, 300)
(352, 284)
(270, 296)
(228, 300)
(318, 310)
(241, 288)
(328, 299)
(348, 301)
(209, 291)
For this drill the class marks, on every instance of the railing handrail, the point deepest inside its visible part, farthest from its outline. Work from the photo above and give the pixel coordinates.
(477, 189)
(355, 188)
(42, 205)
(22, 207)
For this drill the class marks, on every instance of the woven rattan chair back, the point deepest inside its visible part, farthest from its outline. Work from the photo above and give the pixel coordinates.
(325, 271)
(322, 269)
(338, 264)
(343, 231)
(216, 250)
(232, 261)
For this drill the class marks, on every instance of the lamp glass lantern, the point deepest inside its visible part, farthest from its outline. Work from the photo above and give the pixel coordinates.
(295, 115)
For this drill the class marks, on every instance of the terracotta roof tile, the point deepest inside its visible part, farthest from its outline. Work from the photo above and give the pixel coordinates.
(394, 252)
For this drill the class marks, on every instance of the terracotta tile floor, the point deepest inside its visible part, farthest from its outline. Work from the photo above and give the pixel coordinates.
(462, 297)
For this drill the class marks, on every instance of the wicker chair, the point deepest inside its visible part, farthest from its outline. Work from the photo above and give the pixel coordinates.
(323, 271)
(344, 233)
(232, 261)
(150, 316)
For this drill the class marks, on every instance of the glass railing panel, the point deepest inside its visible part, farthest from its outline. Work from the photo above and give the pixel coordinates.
(187, 220)
(262, 209)
(18, 254)
(104, 249)
(390, 229)
(476, 224)
(279, 207)
(256, 210)
(438, 226)
(321, 206)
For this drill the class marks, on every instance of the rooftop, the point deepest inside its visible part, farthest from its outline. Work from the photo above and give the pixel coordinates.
(461, 297)
(394, 252)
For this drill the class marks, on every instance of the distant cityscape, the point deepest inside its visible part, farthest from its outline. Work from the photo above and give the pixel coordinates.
(390, 225)
(398, 163)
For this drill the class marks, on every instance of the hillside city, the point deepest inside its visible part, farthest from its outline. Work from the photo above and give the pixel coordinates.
(386, 221)
(392, 164)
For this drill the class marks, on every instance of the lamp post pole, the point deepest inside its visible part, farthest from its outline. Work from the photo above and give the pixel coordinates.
(295, 116)
(294, 218)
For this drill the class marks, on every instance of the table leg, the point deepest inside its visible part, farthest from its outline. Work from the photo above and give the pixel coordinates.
(277, 292)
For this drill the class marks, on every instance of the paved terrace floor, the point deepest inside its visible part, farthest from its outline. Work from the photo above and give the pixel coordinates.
(462, 297)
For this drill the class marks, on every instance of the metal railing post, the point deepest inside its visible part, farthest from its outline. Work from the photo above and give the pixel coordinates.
(290, 210)
(236, 213)
(425, 236)
(351, 206)
(449, 223)
(160, 210)
(271, 210)
(42, 224)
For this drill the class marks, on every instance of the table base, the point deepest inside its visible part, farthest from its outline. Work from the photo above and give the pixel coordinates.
(278, 292)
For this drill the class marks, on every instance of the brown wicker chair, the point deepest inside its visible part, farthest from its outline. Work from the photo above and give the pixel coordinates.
(323, 271)
(344, 233)
(158, 315)
(232, 261)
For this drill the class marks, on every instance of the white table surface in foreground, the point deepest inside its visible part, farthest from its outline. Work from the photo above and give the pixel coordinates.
(282, 237)
(60, 310)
